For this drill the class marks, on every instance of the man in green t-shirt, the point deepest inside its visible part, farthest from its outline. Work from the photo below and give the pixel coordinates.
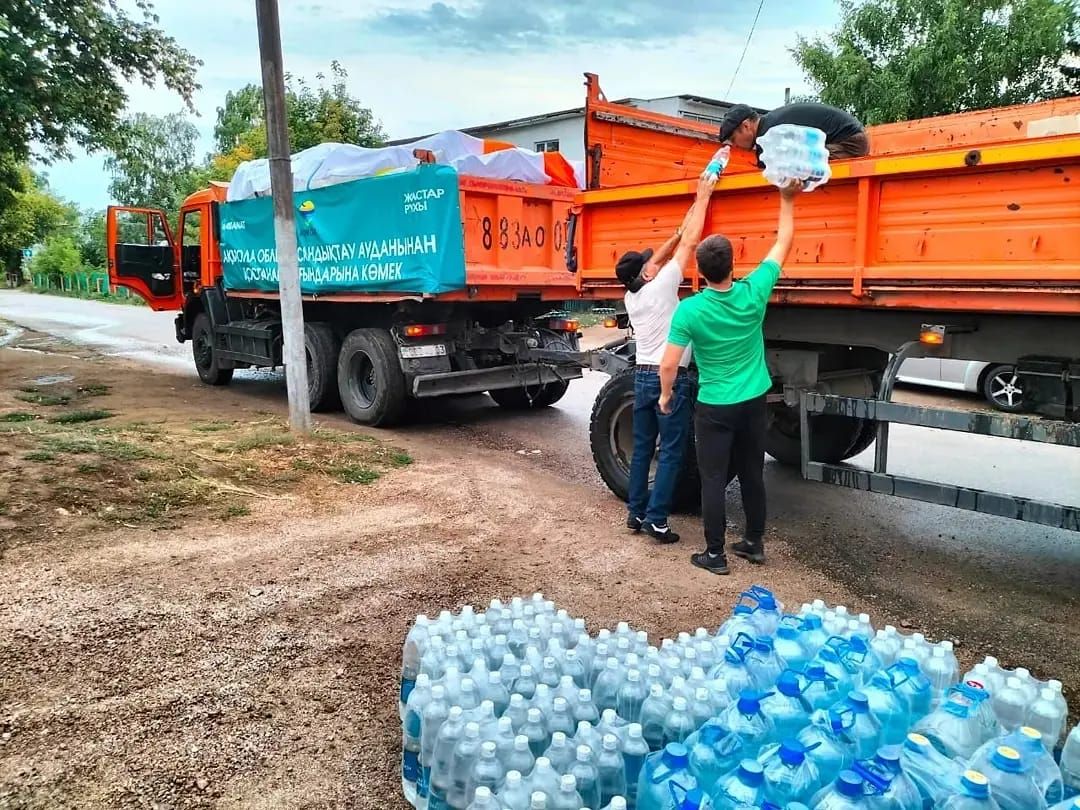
(724, 324)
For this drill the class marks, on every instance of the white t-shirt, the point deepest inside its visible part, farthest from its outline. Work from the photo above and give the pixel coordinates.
(651, 309)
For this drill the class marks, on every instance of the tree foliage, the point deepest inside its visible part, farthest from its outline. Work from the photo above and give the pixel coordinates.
(63, 65)
(894, 60)
(90, 239)
(316, 115)
(152, 162)
(57, 258)
(32, 214)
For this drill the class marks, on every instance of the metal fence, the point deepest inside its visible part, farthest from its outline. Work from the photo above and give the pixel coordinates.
(96, 284)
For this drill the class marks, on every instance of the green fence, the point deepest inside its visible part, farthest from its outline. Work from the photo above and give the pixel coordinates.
(86, 284)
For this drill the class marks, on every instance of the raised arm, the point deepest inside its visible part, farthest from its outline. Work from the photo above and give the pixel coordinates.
(785, 232)
(670, 247)
(695, 221)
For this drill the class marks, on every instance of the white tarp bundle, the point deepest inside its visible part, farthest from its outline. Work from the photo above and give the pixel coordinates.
(330, 163)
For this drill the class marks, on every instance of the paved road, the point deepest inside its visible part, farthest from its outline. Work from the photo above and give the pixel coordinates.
(561, 436)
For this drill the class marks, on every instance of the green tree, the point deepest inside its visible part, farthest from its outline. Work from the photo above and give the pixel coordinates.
(91, 240)
(324, 113)
(32, 213)
(64, 65)
(59, 257)
(152, 161)
(895, 60)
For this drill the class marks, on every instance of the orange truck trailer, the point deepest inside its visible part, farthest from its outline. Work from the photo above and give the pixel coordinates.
(957, 237)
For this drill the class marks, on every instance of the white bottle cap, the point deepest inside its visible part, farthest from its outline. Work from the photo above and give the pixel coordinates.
(1054, 685)
(535, 715)
(947, 645)
(633, 676)
(438, 692)
(521, 742)
(487, 749)
(560, 704)
(456, 712)
(819, 604)
(634, 730)
(495, 677)
(472, 729)
(891, 629)
(841, 610)
(611, 742)
(609, 716)
(538, 801)
(919, 637)
(990, 661)
(505, 724)
(1023, 673)
(568, 783)
(513, 778)
(617, 803)
(543, 763)
(584, 753)
(864, 618)
(679, 704)
(558, 739)
(483, 794)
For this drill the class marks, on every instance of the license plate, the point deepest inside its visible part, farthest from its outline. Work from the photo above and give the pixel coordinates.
(431, 350)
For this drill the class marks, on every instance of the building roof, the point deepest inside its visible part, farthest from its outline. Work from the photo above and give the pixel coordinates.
(561, 115)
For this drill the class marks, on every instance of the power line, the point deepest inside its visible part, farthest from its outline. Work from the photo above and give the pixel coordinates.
(746, 47)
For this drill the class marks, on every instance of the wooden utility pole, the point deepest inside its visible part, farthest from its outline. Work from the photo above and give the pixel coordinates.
(787, 95)
(281, 185)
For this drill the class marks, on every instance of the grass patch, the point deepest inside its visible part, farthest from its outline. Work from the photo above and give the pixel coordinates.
(108, 448)
(17, 416)
(354, 474)
(262, 439)
(40, 455)
(89, 469)
(35, 398)
(400, 459)
(93, 390)
(234, 510)
(79, 417)
(211, 427)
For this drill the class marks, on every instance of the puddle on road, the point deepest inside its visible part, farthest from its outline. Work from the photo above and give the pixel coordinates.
(52, 379)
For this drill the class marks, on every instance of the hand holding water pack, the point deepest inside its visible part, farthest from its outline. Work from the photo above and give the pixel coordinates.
(792, 152)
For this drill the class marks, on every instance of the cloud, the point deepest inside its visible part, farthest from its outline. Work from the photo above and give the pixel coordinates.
(499, 25)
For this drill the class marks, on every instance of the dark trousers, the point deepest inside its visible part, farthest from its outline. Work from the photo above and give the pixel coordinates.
(855, 146)
(672, 430)
(731, 434)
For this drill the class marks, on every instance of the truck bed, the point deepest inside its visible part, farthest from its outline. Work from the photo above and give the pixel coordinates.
(976, 212)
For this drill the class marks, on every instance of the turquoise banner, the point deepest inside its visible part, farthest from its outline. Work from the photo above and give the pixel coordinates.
(395, 233)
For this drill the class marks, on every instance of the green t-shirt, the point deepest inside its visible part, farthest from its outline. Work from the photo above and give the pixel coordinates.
(725, 328)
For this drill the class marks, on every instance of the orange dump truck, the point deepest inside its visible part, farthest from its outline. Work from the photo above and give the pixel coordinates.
(957, 237)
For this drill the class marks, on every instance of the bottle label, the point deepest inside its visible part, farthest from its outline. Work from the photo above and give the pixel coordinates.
(424, 782)
(410, 766)
(407, 685)
(437, 799)
(413, 725)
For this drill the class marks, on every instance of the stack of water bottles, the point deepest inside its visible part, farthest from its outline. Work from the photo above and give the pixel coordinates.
(519, 708)
(792, 152)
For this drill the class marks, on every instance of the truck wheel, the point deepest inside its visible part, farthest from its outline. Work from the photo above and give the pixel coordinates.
(611, 437)
(370, 381)
(204, 350)
(322, 347)
(835, 437)
(535, 396)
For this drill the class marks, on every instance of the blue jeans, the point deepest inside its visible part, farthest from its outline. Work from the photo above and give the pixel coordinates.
(673, 430)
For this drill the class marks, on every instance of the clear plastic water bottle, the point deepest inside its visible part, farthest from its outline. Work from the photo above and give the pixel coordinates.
(411, 653)
(746, 719)
(764, 664)
(814, 634)
(495, 691)
(561, 719)
(561, 753)
(1070, 763)
(1012, 782)
(588, 735)
(733, 669)
(611, 770)
(942, 673)
(679, 724)
(567, 690)
(584, 708)
(606, 689)
(865, 730)
(822, 689)
(450, 734)
(714, 752)
(743, 787)
(574, 666)
(888, 707)
(701, 709)
(411, 731)
(789, 775)
(1036, 760)
(974, 794)
(1010, 704)
(860, 660)
(544, 700)
(740, 623)
(936, 776)
(435, 714)
(887, 645)
(587, 775)
(466, 752)
(483, 800)
(955, 728)
(634, 751)
(889, 788)
(914, 687)
(829, 742)
(718, 163)
(536, 732)
(521, 759)
(786, 708)
(631, 697)
(831, 657)
(515, 793)
(487, 772)
(544, 778)
(766, 609)
(789, 646)
(844, 794)
(1048, 716)
(517, 711)
(567, 797)
(663, 769)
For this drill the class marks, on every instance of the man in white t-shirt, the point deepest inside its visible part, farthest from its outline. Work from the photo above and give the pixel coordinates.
(652, 294)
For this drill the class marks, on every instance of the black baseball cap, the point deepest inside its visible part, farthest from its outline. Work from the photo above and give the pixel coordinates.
(733, 117)
(631, 264)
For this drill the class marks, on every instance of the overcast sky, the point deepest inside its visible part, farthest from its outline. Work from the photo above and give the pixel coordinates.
(426, 66)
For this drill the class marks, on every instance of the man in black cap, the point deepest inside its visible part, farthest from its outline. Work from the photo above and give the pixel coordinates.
(844, 135)
(652, 294)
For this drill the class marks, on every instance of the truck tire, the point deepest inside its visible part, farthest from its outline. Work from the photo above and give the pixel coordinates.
(322, 348)
(370, 380)
(611, 439)
(835, 437)
(204, 351)
(535, 396)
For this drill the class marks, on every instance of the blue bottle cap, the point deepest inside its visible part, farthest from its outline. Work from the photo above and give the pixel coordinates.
(859, 702)
(742, 610)
(849, 783)
(751, 773)
(975, 784)
(676, 756)
(1007, 759)
(909, 665)
(889, 755)
(816, 672)
(812, 622)
(788, 684)
(792, 753)
(692, 800)
(763, 644)
(750, 702)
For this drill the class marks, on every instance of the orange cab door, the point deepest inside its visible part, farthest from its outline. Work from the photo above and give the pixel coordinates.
(142, 256)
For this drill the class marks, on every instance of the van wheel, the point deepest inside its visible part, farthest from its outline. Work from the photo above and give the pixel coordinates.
(370, 381)
(204, 350)
(322, 348)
